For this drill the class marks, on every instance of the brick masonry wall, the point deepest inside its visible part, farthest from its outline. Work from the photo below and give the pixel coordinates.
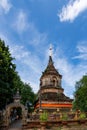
(73, 125)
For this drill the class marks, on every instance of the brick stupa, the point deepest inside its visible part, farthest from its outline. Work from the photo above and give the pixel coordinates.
(51, 95)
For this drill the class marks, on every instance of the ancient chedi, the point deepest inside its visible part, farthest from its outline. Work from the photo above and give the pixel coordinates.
(51, 95)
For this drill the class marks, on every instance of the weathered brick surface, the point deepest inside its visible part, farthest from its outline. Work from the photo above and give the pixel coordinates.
(53, 125)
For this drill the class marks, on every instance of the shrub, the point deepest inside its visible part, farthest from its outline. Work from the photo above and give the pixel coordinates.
(82, 116)
(64, 116)
(44, 116)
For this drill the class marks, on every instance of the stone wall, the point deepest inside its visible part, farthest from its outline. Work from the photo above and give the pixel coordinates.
(56, 125)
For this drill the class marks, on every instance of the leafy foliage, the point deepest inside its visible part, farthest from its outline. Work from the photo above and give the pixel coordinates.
(80, 102)
(82, 116)
(64, 116)
(10, 81)
(27, 96)
(44, 116)
(7, 72)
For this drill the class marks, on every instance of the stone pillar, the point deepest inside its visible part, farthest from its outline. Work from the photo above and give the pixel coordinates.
(24, 117)
(76, 116)
(6, 118)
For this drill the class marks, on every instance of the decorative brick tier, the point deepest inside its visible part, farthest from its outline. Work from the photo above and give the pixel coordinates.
(51, 94)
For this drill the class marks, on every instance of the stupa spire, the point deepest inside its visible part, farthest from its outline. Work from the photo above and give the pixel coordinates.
(50, 50)
(50, 55)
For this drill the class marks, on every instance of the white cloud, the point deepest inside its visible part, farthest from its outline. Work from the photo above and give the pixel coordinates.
(30, 77)
(38, 38)
(26, 57)
(82, 50)
(72, 10)
(18, 52)
(33, 35)
(30, 66)
(5, 5)
(21, 23)
(71, 73)
(27, 63)
(2, 36)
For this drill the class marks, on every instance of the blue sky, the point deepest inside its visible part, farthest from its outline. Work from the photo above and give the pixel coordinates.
(30, 26)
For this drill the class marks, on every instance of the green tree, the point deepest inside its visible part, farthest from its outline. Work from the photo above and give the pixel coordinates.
(10, 81)
(25, 90)
(7, 72)
(80, 94)
(27, 96)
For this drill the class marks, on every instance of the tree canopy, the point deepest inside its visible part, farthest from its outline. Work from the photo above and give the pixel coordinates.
(27, 96)
(10, 81)
(7, 72)
(80, 94)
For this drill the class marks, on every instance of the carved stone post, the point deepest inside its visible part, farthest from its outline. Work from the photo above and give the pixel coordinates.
(24, 117)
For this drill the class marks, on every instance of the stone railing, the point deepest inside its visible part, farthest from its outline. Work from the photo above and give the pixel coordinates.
(60, 116)
(72, 120)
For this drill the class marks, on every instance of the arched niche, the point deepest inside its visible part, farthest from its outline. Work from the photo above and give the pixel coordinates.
(7, 113)
(54, 81)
